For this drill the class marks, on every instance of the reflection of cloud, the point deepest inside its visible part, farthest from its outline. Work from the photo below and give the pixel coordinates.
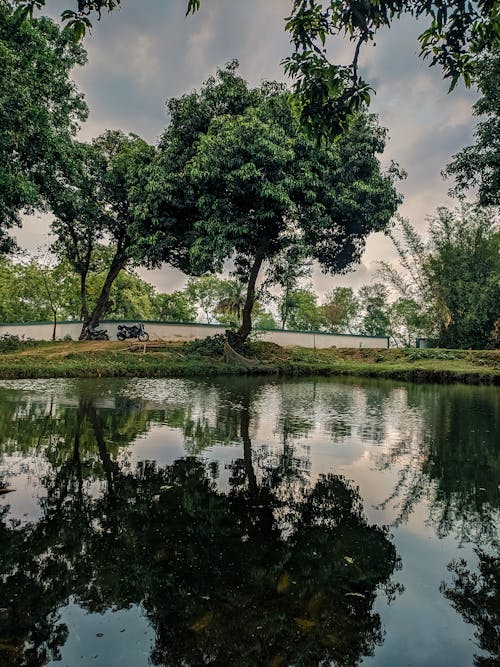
(148, 52)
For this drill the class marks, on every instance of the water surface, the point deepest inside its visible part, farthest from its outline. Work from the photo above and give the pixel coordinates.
(248, 522)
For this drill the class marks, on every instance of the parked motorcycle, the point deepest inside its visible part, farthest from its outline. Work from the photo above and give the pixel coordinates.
(133, 331)
(91, 333)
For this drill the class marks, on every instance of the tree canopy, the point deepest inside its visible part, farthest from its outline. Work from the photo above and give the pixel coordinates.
(326, 93)
(478, 166)
(254, 186)
(100, 198)
(40, 109)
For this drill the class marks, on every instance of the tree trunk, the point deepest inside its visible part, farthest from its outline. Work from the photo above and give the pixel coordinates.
(84, 311)
(54, 328)
(246, 319)
(117, 265)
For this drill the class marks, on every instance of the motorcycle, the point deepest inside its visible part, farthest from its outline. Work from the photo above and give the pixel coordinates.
(133, 331)
(91, 333)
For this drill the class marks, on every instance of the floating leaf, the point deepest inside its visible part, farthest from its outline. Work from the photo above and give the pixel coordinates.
(204, 622)
(305, 624)
(283, 583)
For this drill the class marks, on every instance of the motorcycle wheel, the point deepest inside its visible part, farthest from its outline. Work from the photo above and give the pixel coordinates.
(120, 335)
(143, 336)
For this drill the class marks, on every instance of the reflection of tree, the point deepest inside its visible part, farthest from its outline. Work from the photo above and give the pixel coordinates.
(476, 596)
(452, 459)
(272, 571)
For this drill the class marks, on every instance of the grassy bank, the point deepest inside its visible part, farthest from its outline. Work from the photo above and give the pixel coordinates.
(115, 359)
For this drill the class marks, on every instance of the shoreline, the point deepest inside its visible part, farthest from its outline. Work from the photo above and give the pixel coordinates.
(110, 359)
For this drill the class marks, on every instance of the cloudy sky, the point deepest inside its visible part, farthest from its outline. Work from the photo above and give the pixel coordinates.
(148, 51)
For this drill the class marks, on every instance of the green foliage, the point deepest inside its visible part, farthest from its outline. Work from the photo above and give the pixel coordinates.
(304, 313)
(254, 187)
(206, 294)
(100, 195)
(339, 310)
(374, 303)
(463, 267)
(40, 108)
(407, 321)
(287, 269)
(326, 94)
(415, 354)
(263, 319)
(478, 166)
(32, 292)
(174, 307)
(13, 343)
(211, 346)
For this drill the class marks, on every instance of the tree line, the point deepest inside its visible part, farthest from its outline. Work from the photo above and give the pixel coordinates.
(449, 290)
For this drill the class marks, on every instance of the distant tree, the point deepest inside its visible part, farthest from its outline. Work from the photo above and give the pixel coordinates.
(231, 302)
(263, 319)
(286, 271)
(411, 284)
(255, 186)
(206, 293)
(304, 313)
(339, 310)
(463, 267)
(175, 307)
(406, 321)
(130, 297)
(478, 166)
(40, 109)
(374, 301)
(33, 290)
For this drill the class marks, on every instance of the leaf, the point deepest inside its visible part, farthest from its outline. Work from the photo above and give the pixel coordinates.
(204, 622)
(283, 583)
(305, 624)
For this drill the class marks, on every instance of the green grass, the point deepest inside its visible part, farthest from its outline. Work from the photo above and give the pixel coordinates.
(113, 359)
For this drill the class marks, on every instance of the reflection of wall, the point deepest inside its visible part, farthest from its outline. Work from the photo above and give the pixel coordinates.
(173, 332)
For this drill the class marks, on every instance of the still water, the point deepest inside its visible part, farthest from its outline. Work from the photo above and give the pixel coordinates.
(247, 522)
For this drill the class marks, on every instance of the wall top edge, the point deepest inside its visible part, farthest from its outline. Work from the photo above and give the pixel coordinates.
(191, 324)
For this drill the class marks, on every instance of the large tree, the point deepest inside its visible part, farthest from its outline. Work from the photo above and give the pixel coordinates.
(40, 108)
(100, 197)
(327, 93)
(463, 266)
(254, 185)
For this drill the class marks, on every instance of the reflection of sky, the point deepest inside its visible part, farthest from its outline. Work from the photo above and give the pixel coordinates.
(111, 639)
(367, 432)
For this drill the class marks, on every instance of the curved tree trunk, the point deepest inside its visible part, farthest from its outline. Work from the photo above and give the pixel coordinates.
(246, 319)
(117, 265)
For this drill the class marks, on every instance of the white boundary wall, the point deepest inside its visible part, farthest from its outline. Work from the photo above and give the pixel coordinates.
(183, 332)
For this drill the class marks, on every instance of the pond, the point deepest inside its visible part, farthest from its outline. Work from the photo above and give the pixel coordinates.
(243, 521)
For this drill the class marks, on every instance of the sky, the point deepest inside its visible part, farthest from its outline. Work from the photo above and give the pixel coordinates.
(148, 51)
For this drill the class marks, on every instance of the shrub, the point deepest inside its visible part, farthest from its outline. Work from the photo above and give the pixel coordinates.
(11, 342)
(211, 346)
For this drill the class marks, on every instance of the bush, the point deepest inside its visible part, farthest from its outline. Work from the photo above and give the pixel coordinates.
(414, 354)
(12, 342)
(212, 346)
